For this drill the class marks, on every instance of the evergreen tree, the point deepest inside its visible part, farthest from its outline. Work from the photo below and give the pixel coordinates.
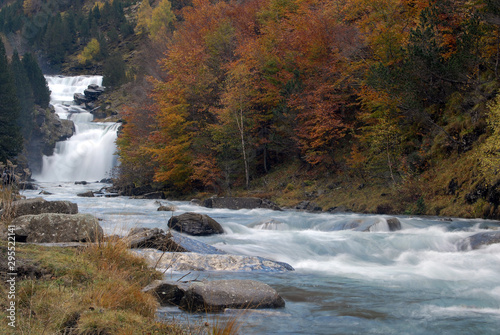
(24, 96)
(114, 71)
(39, 85)
(11, 142)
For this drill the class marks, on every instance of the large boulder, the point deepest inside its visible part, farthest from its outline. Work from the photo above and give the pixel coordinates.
(192, 261)
(479, 240)
(217, 295)
(240, 203)
(40, 206)
(152, 238)
(55, 228)
(195, 224)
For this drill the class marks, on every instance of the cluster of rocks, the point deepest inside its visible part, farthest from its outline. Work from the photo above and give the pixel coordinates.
(89, 96)
(40, 221)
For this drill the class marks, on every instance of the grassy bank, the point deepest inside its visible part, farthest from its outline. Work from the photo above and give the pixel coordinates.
(453, 187)
(90, 290)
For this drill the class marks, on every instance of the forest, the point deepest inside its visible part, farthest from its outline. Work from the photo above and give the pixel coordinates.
(345, 102)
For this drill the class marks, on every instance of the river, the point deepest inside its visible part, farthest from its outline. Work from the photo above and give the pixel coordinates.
(412, 281)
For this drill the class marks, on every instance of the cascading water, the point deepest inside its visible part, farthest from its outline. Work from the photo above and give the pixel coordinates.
(90, 153)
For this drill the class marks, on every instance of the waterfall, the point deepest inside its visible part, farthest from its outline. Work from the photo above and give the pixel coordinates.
(90, 153)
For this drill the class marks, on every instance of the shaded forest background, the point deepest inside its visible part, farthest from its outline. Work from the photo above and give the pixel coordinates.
(386, 106)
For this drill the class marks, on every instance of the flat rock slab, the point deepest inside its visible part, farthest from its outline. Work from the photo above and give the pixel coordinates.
(55, 228)
(190, 261)
(41, 206)
(217, 295)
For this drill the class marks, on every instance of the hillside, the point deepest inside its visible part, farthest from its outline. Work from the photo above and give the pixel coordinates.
(385, 106)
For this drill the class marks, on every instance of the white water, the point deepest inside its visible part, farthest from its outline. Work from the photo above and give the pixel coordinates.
(413, 281)
(90, 153)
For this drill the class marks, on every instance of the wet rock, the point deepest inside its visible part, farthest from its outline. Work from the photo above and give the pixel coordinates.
(54, 228)
(88, 194)
(39, 206)
(479, 240)
(217, 295)
(269, 225)
(152, 195)
(240, 203)
(394, 224)
(195, 224)
(167, 208)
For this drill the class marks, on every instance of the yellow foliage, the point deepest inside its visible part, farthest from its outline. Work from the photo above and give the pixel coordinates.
(489, 157)
(89, 52)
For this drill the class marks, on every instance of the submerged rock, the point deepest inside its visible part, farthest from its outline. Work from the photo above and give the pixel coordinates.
(217, 295)
(479, 240)
(40, 206)
(191, 261)
(54, 228)
(195, 224)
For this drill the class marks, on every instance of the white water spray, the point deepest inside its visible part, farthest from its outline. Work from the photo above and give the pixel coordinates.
(90, 153)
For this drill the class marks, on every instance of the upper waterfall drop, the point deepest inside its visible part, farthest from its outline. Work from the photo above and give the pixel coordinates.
(90, 153)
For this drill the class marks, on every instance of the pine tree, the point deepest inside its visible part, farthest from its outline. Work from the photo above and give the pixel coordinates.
(39, 85)
(24, 96)
(10, 137)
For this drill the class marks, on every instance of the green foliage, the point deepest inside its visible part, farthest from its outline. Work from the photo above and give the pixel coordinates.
(90, 52)
(38, 83)
(114, 71)
(24, 96)
(10, 135)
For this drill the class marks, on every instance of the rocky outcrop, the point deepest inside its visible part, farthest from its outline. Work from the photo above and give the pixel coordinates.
(48, 129)
(308, 206)
(195, 224)
(240, 203)
(40, 206)
(178, 261)
(479, 240)
(217, 295)
(88, 194)
(54, 228)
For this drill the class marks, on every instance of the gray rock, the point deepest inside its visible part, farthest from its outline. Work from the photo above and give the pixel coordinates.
(39, 206)
(55, 228)
(217, 295)
(151, 195)
(195, 224)
(394, 224)
(88, 194)
(192, 261)
(479, 240)
(166, 208)
(240, 203)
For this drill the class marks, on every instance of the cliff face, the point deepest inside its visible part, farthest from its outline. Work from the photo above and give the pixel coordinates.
(48, 129)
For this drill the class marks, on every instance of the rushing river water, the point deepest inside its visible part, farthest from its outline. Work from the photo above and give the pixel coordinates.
(412, 281)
